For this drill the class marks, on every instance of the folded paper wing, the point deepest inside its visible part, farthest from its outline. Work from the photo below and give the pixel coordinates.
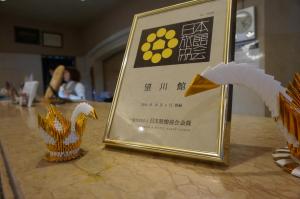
(200, 84)
(241, 74)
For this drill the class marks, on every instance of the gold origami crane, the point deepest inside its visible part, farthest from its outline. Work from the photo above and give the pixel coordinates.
(63, 137)
(284, 103)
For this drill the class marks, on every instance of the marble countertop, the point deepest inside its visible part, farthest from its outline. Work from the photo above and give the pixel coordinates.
(115, 173)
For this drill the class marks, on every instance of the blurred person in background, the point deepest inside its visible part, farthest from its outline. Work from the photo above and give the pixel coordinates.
(6, 90)
(72, 88)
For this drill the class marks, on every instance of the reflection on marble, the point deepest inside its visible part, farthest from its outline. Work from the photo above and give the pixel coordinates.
(114, 173)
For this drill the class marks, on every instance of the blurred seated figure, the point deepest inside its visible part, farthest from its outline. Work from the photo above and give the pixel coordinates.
(72, 89)
(9, 91)
(6, 90)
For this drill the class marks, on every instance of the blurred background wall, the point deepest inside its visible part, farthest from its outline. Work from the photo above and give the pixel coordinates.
(96, 33)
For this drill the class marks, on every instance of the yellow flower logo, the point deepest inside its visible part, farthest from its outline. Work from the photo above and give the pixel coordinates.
(159, 45)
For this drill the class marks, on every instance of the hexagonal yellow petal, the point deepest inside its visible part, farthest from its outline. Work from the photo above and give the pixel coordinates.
(159, 44)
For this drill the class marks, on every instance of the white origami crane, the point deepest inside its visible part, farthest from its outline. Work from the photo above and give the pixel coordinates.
(283, 103)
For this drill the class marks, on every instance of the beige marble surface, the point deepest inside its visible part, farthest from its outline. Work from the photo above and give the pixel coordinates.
(111, 173)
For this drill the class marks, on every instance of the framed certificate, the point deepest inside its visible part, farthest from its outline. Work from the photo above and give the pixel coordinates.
(166, 49)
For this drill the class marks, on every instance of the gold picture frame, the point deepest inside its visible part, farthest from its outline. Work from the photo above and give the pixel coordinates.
(204, 121)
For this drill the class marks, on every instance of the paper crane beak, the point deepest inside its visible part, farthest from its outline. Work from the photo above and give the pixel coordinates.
(200, 84)
(93, 114)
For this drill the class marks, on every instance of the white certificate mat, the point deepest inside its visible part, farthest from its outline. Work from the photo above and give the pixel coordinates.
(166, 49)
